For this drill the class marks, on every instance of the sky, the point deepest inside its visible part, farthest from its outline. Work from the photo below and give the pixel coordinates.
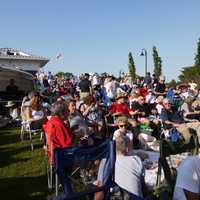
(97, 35)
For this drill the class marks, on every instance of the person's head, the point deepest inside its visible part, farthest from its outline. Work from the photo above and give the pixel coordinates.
(122, 123)
(122, 145)
(60, 110)
(12, 81)
(159, 99)
(86, 76)
(121, 97)
(189, 100)
(10, 105)
(167, 104)
(162, 79)
(36, 103)
(71, 105)
(77, 96)
(141, 100)
(89, 100)
(31, 94)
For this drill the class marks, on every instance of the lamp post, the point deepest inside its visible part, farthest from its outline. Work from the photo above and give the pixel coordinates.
(144, 53)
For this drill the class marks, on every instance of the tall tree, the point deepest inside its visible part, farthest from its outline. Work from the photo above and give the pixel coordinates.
(157, 62)
(197, 57)
(131, 66)
(192, 72)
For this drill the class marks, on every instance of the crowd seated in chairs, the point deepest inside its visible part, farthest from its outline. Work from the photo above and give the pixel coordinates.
(83, 132)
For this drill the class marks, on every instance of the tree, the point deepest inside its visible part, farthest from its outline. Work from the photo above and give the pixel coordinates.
(131, 66)
(197, 57)
(60, 74)
(157, 62)
(192, 72)
(64, 74)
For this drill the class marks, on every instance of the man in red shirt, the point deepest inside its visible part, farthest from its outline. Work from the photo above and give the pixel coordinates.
(120, 107)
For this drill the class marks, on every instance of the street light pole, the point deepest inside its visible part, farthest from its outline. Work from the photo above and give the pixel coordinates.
(144, 53)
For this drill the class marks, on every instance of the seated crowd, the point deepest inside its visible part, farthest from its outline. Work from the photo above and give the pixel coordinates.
(135, 115)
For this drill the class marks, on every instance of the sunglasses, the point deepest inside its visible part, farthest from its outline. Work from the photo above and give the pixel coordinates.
(167, 104)
(123, 126)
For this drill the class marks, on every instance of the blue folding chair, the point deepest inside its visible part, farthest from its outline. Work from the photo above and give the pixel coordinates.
(64, 158)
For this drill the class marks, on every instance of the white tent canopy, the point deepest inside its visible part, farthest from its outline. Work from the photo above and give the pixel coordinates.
(23, 80)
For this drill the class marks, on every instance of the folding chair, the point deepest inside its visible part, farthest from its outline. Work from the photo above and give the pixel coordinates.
(168, 148)
(52, 178)
(26, 127)
(64, 158)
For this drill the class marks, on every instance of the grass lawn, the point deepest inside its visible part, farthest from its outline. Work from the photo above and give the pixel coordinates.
(22, 171)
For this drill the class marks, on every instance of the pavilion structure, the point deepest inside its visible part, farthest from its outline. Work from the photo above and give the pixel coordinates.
(17, 59)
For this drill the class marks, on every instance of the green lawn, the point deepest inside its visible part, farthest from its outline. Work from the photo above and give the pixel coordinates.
(22, 171)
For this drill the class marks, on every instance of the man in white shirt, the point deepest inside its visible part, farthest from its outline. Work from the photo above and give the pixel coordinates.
(188, 179)
(129, 170)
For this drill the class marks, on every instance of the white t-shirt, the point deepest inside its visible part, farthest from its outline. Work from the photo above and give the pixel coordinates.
(128, 173)
(111, 89)
(128, 134)
(188, 177)
(37, 115)
(159, 108)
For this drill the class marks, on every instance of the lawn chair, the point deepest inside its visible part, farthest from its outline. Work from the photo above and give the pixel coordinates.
(52, 178)
(64, 158)
(26, 127)
(168, 148)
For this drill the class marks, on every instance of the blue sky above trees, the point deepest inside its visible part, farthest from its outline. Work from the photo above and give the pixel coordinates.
(97, 35)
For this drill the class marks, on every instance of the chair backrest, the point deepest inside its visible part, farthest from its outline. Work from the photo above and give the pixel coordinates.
(66, 157)
(168, 148)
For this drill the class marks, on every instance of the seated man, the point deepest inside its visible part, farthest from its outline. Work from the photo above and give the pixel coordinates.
(14, 113)
(122, 123)
(188, 184)
(188, 111)
(160, 87)
(129, 170)
(120, 107)
(173, 119)
(12, 88)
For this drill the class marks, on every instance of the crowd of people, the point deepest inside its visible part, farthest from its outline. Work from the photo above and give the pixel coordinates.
(87, 109)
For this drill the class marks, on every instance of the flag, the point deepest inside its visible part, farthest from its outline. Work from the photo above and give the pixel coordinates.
(59, 56)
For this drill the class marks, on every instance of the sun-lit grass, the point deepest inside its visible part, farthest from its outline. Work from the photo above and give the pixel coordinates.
(22, 171)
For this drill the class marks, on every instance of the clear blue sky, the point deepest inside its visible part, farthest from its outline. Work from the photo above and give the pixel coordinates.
(96, 35)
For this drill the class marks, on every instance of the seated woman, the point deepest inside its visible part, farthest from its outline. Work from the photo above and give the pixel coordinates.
(77, 123)
(58, 134)
(91, 112)
(34, 113)
(188, 111)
